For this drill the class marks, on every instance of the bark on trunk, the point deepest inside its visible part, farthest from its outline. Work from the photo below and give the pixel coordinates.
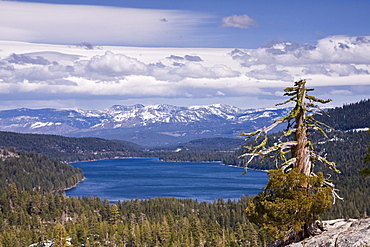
(302, 149)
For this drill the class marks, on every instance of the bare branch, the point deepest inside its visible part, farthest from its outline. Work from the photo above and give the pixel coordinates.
(329, 164)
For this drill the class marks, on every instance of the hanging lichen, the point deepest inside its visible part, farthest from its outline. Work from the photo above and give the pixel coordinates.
(294, 195)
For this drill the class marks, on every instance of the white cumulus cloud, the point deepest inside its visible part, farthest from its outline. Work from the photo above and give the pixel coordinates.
(111, 64)
(196, 70)
(337, 67)
(118, 66)
(337, 49)
(238, 21)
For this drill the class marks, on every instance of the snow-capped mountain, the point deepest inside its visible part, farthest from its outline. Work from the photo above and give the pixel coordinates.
(139, 123)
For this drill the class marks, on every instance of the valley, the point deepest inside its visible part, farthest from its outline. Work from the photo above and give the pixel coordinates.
(28, 194)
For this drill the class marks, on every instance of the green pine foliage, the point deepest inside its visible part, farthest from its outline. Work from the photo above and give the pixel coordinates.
(217, 144)
(347, 149)
(70, 149)
(295, 195)
(31, 171)
(286, 206)
(33, 211)
(196, 156)
(29, 217)
(365, 172)
(348, 117)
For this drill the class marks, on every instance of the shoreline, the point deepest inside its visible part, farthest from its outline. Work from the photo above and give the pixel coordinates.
(117, 157)
(220, 162)
(72, 186)
(84, 178)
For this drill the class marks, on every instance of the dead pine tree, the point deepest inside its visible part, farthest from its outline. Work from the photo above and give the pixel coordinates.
(294, 195)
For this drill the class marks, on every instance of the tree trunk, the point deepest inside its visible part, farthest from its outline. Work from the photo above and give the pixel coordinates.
(302, 150)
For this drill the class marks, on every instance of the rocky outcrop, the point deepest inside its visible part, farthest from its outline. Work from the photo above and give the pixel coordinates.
(340, 233)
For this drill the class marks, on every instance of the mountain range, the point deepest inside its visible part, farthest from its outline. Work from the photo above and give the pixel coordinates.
(151, 125)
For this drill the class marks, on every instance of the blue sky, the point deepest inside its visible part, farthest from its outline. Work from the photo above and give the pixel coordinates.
(290, 20)
(94, 54)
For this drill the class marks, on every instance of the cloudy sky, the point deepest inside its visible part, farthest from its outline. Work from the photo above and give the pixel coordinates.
(95, 54)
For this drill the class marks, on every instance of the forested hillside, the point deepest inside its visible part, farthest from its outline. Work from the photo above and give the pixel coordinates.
(28, 217)
(68, 148)
(348, 117)
(218, 144)
(347, 149)
(346, 146)
(33, 212)
(348, 153)
(31, 171)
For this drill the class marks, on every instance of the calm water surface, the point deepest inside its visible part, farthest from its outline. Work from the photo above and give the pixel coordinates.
(122, 179)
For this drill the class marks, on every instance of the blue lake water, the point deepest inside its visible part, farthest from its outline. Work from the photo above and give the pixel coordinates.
(143, 178)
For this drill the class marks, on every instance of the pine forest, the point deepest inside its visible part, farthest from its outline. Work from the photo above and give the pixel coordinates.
(34, 173)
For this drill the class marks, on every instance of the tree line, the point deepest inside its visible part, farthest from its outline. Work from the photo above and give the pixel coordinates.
(31, 217)
(71, 149)
(34, 211)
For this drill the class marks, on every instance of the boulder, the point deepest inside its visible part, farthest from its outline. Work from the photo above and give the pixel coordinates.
(340, 233)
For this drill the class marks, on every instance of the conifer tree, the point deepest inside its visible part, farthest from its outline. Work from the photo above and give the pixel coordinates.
(277, 209)
(365, 172)
(114, 214)
(300, 149)
(61, 236)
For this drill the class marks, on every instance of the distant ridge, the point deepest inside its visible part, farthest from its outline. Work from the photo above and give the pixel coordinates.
(151, 125)
(161, 125)
(68, 148)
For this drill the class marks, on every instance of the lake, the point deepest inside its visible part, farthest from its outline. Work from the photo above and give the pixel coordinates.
(143, 178)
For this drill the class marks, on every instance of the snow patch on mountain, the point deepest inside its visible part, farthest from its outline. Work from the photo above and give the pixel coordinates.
(158, 120)
(125, 116)
(359, 129)
(41, 124)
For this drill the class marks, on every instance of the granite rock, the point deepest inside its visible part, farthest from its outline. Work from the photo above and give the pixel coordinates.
(340, 233)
